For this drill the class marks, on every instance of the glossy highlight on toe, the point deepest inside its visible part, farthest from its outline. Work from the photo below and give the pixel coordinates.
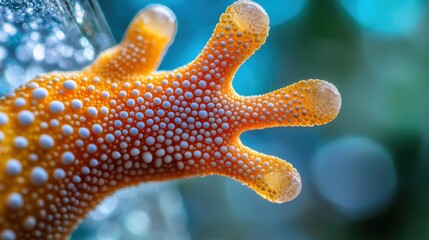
(251, 17)
(283, 186)
(159, 19)
(70, 139)
(326, 99)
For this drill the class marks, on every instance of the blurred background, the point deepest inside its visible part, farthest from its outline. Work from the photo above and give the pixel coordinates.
(365, 175)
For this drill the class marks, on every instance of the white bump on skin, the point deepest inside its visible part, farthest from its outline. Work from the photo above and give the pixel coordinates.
(92, 148)
(134, 152)
(160, 152)
(25, 117)
(77, 104)
(93, 163)
(13, 167)
(104, 110)
(105, 94)
(150, 140)
(3, 118)
(92, 111)
(33, 157)
(67, 158)
(39, 176)
(110, 138)
(85, 170)
(83, 132)
(30, 223)
(46, 141)
(59, 174)
(67, 130)
(56, 106)
(147, 157)
(40, 93)
(8, 235)
(123, 114)
(203, 114)
(118, 123)
(20, 142)
(96, 128)
(55, 123)
(70, 85)
(32, 85)
(116, 155)
(131, 102)
(180, 165)
(15, 201)
(20, 102)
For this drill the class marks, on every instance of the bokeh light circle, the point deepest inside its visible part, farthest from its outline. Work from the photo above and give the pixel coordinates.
(386, 16)
(356, 175)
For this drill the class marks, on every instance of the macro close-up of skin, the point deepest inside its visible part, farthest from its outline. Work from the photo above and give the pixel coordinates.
(70, 139)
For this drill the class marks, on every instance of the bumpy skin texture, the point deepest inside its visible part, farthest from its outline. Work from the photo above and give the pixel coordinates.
(69, 139)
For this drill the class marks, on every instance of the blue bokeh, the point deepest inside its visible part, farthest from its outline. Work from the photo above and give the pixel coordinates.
(388, 17)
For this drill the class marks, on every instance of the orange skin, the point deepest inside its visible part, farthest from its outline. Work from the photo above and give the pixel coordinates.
(69, 139)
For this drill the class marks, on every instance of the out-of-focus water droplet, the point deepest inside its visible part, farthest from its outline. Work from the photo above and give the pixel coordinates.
(59, 34)
(24, 52)
(34, 25)
(79, 56)
(84, 42)
(89, 53)
(137, 222)
(29, 10)
(35, 32)
(14, 73)
(10, 16)
(3, 53)
(66, 50)
(35, 36)
(3, 37)
(39, 52)
(386, 16)
(79, 13)
(9, 29)
(356, 175)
